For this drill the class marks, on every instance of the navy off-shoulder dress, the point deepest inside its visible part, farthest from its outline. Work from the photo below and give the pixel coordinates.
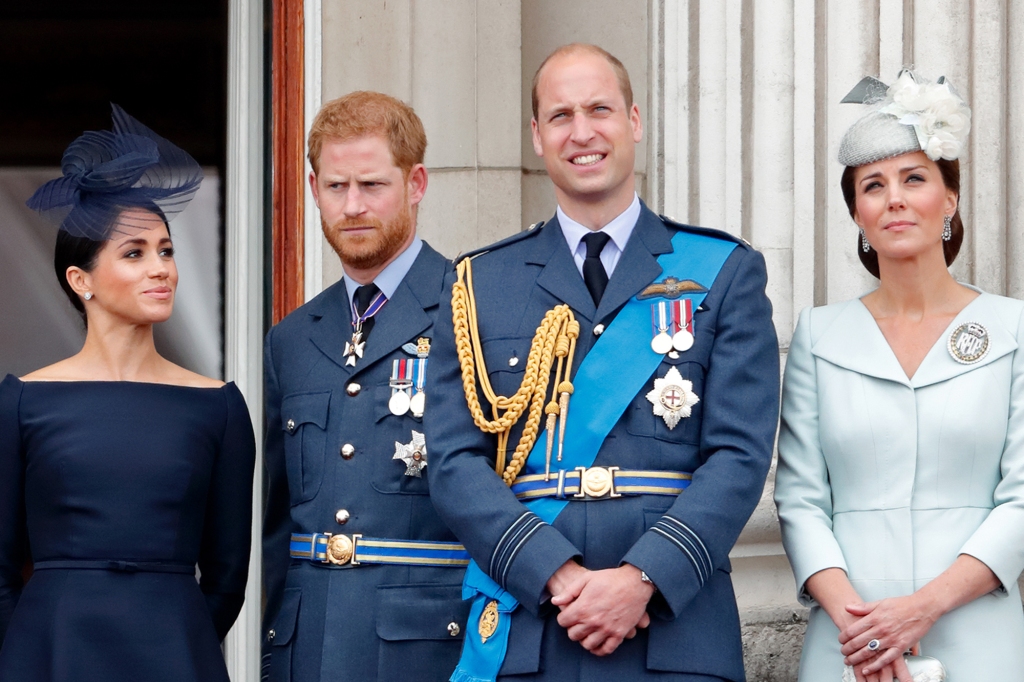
(116, 491)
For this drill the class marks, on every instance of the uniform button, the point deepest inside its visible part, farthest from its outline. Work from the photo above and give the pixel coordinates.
(598, 330)
(271, 635)
(290, 425)
(454, 629)
(513, 361)
(341, 516)
(347, 450)
(353, 389)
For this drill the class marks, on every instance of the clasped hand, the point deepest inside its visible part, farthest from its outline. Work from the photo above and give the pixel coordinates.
(898, 624)
(599, 609)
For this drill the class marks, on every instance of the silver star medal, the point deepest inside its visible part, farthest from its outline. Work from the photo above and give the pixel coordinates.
(354, 348)
(414, 454)
(672, 398)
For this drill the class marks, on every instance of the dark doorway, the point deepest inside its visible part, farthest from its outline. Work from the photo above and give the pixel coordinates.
(63, 63)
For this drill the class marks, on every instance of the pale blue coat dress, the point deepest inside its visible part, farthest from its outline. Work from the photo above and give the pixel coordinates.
(890, 478)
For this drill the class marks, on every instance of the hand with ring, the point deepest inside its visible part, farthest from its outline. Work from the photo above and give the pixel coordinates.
(883, 632)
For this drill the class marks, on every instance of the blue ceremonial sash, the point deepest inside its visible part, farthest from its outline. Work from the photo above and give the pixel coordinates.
(593, 412)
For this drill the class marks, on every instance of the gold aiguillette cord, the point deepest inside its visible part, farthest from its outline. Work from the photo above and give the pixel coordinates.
(554, 340)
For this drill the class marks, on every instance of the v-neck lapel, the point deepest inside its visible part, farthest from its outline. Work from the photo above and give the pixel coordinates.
(854, 341)
(400, 320)
(559, 275)
(638, 265)
(939, 365)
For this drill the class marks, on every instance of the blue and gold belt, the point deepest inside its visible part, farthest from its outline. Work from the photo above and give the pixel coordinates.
(599, 483)
(352, 550)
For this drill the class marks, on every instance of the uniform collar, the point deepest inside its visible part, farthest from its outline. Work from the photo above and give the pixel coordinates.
(619, 229)
(390, 277)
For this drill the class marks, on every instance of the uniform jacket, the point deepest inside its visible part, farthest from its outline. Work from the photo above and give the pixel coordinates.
(726, 443)
(369, 621)
(890, 478)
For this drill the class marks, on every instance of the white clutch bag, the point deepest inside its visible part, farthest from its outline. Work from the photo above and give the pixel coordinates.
(922, 669)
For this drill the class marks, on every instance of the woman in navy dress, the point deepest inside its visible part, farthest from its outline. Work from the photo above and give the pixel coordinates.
(120, 472)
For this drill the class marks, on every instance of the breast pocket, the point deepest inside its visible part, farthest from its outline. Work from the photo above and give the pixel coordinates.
(398, 434)
(506, 365)
(304, 421)
(682, 389)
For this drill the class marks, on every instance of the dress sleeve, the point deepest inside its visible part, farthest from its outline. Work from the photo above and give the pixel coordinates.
(227, 531)
(13, 533)
(803, 493)
(999, 540)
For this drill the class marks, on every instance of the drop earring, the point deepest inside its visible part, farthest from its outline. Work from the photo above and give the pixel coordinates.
(864, 245)
(88, 296)
(947, 228)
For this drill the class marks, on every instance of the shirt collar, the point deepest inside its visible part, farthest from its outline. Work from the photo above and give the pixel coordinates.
(390, 277)
(618, 229)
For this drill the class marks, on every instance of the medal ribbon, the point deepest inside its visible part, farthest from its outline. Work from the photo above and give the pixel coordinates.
(420, 373)
(594, 412)
(375, 305)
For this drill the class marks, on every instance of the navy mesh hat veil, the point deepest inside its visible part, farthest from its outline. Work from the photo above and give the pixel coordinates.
(107, 172)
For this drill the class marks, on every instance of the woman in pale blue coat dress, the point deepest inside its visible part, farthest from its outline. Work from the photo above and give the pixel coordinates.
(900, 482)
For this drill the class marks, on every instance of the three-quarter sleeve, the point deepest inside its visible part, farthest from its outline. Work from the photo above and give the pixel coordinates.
(999, 540)
(803, 493)
(227, 529)
(13, 533)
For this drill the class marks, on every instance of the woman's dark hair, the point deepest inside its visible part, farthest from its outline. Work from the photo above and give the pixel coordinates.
(950, 171)
(81, 252)
(74, 251)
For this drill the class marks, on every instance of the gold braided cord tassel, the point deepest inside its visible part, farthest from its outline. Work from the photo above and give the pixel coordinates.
(555, 336)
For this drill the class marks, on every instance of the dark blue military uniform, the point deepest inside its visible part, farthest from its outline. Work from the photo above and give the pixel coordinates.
(681, 542)
(330, 449)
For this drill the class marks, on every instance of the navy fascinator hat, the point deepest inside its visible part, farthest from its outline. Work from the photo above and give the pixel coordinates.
(106, 173)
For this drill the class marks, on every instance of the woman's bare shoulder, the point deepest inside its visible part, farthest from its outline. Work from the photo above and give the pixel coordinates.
(68, 369)
(175, 374)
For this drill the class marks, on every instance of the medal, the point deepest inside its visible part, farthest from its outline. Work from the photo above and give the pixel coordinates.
(354, 349)
(672, 398)
(661, 320)
(672, 323)
(418, 400)
(413, 454)
(682, 340)
(662, 343)
(401, 384)
(969, 343)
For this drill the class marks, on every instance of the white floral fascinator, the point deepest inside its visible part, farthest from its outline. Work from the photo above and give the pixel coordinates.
(913, 114)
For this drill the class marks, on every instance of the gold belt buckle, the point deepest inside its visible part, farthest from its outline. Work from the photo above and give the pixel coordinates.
(341, 549)
(597, 482)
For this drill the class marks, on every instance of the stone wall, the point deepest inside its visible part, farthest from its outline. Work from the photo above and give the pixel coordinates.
(740, 100)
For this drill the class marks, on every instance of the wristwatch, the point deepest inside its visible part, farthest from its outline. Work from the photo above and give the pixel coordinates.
(644, 578)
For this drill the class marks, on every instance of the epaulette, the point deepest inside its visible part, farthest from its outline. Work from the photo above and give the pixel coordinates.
(707, 231)
(517, 237)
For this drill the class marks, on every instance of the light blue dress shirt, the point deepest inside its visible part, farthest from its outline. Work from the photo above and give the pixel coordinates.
(618, 229)
(390, 277)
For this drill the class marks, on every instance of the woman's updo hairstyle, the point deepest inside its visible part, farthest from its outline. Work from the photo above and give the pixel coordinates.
(913, 115)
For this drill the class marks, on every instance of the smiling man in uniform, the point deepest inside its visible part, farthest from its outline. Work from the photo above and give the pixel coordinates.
(601, 497)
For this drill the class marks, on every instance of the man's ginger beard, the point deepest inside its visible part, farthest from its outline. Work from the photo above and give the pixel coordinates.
(373, 249)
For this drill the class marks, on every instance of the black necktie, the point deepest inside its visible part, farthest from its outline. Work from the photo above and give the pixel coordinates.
(364, 296)
(594, 275)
